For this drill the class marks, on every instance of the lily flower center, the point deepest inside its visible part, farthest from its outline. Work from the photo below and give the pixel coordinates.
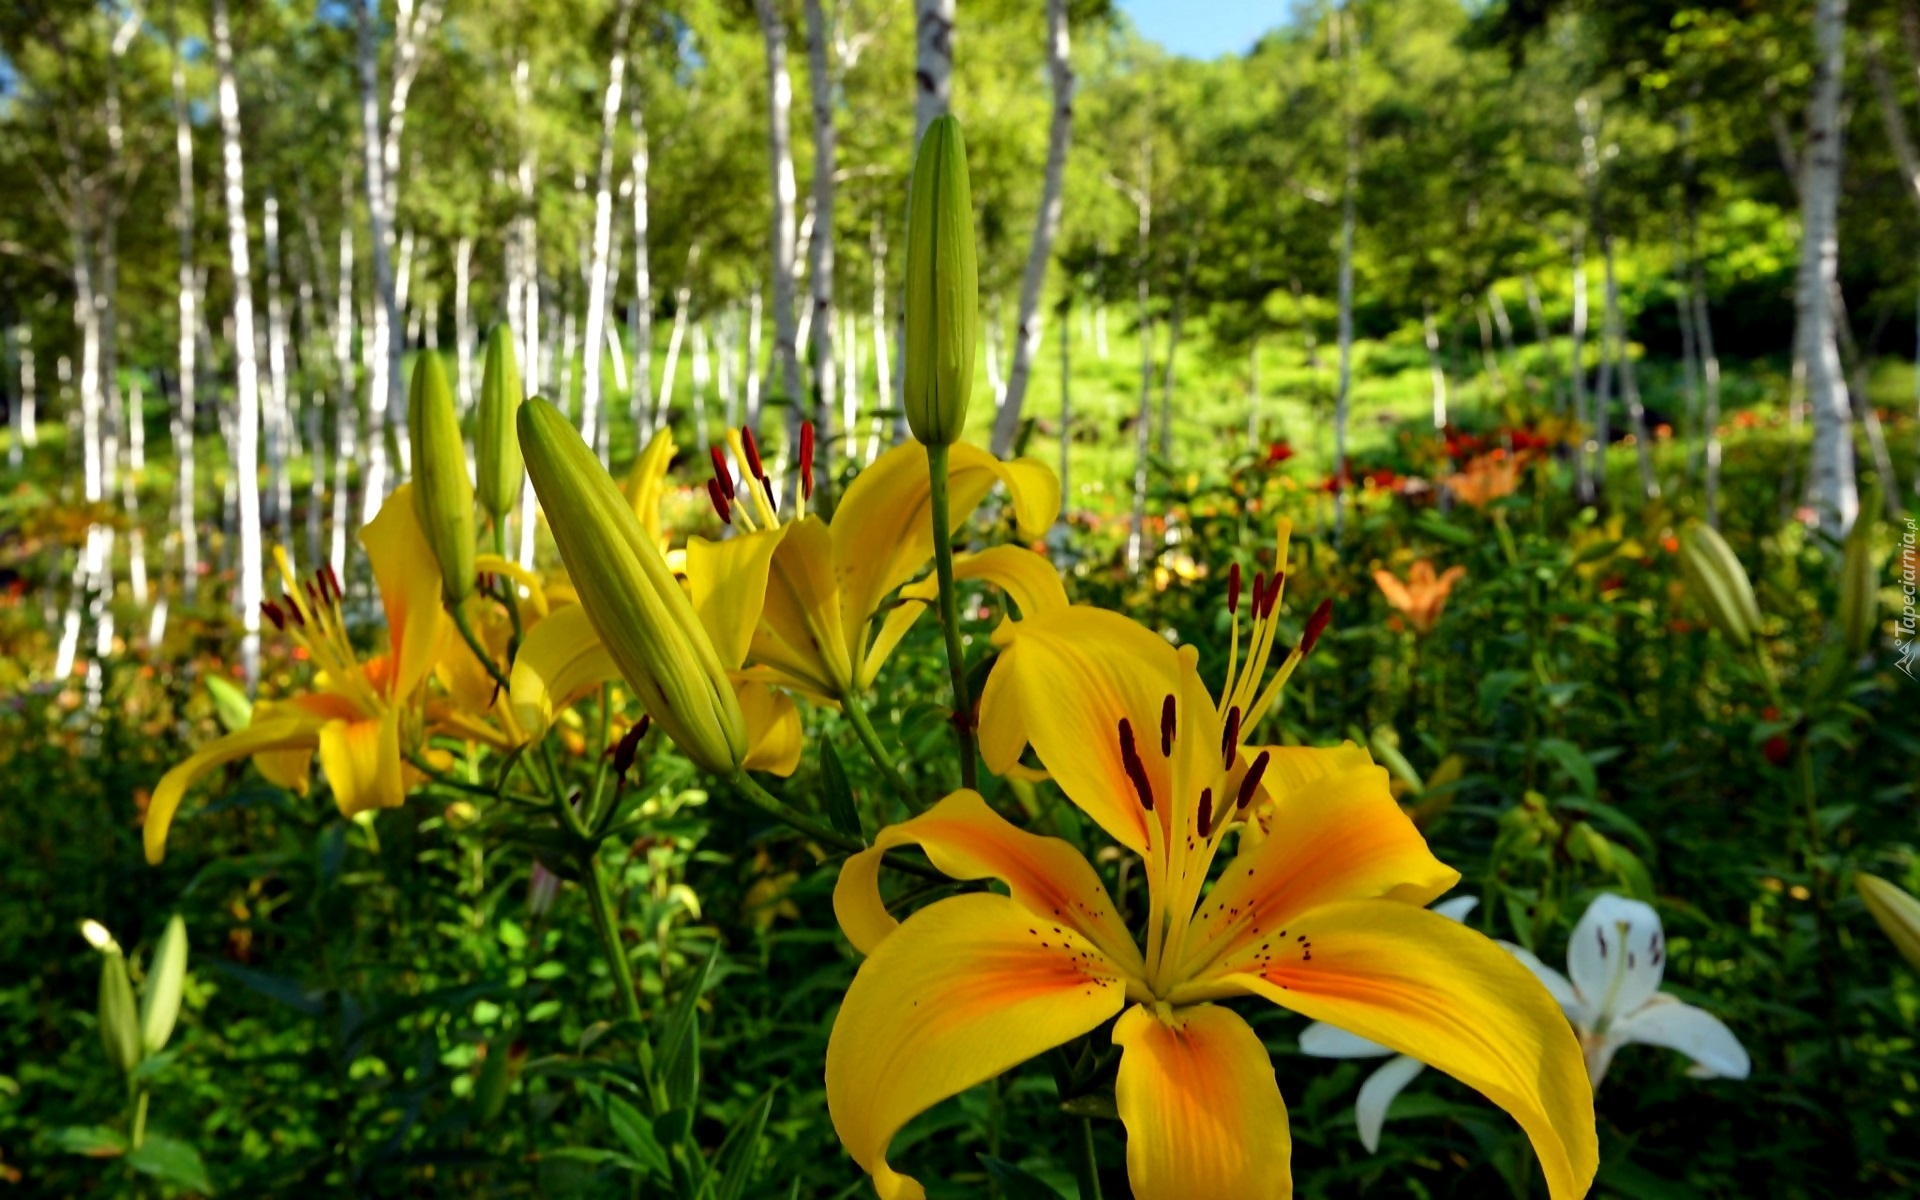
(310, 614)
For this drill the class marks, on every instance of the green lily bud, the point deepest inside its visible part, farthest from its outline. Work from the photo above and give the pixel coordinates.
(636, 606)
(442, 490)
(1859, 575)
(496, 447)
(943, 288)
(160, 998)
(1897, 912)
(1719, 583)
(119, 1021)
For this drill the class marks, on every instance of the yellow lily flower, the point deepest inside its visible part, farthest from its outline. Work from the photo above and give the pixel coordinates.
(1325, 917)
(794, 595)
(359, 714)
(1422, 596)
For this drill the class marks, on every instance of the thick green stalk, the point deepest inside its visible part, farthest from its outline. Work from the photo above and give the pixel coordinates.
(950, 614)
(616, 955)
(863, 729)
(1086, 1167)
(459, 614)
(138, 1130)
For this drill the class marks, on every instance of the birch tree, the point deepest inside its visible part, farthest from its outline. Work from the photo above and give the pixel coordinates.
(1046, 226)
(821, 85)
(1831, 489)
(602, 234)
(785, 370)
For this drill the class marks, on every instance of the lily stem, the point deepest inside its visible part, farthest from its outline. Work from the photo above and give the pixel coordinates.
(459, 613)
(863, 729)
(1086, 1168)
(622, 971)
(769, 804)
(138, 1132)
(950, 613)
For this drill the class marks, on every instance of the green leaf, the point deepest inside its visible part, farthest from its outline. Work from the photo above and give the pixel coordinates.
(734, 1160)
(94, 1141)
(842, 812)
(680, 1035)
(230, 704)
(289, 992)
(1017, 1183)
(1569, 759)
(1436, 526)
(172, 1161)
(636, 1134)
(1496, 687)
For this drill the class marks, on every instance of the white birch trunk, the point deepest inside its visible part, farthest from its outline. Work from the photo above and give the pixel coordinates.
(1046, 226)
(723, 348)
(1831, 490)
(463, 319)
(602, 230)
(1350, 187)
(821, 82)
(751, 374)
(932, 62)
(882, 366)
(785, 372)
(642, 376)
(384, 387)
(1436, 373)
(702, 380)
(246, 443)
(278, 420)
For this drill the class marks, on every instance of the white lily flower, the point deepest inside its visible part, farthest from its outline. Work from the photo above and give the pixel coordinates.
(1329, 1041)
(1617, 959)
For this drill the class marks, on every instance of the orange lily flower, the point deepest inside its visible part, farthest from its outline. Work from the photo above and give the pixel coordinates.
(1325, 916)
(1423, 596)
(359, 715)
(1486, 479)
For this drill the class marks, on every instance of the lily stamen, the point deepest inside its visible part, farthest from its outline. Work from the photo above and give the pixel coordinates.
(1136, 770)
(1166, 727)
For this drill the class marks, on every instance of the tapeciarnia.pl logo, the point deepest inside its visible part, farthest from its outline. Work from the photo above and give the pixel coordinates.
(1903, 639)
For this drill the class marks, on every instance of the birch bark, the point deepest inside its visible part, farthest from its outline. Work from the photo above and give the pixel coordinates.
(785, 371)
(821, 85)
(1046, 226)
(602, 231)
(1831, 489)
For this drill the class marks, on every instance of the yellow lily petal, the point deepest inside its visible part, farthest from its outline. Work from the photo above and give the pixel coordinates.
(286, 768)
(493, 564)
(1339, 837)
(800, 631)
(1203, 1113)
(972, 987)
(883, 529)
(1434, 990)
(647, 483)
(362, 762)
(561, 660)
(967, 840)
(409, 579)
(466, 679)
(728, 581)
(774, 736)
(280, 732)
(1063, 684)
(1029, 580)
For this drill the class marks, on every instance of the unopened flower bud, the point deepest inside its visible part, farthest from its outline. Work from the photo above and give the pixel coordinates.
(166, 976)
(1897, 912)
(496, 445)
(119, 1020)
(943, 287)
(1719, 583)
(442, 491)
(636, 606)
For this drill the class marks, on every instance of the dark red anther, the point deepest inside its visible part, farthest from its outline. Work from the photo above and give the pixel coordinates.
(718, 495)
(1166, 727)
(806, 460)
(1250, 782)
(1272, 597)
(1230, 737)
(1233, 589)
(274, 614)
(1316, 625)
(625, 750)
(1136, 770)
(333, 583)
(753, 455)
(1259, 589)
(1206, 811)
(293, 611)
(720, 471)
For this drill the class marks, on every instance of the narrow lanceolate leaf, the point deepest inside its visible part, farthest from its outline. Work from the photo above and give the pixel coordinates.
(680, 1035)
(842, 811)
(1719, 584)
(442, 490)
(496, 444)
(735, 1160)
(160, 999)
(943, 287)
(1017, 1183)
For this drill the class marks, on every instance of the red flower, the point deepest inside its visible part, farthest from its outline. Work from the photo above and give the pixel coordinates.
(1279, 452)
